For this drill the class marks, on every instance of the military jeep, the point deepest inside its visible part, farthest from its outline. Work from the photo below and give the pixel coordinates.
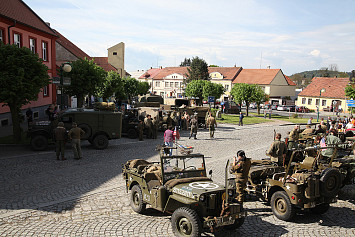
(178, 185)
(288, 189)
(99, 127)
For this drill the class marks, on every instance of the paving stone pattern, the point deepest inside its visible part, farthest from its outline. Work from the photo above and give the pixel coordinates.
(40, 196)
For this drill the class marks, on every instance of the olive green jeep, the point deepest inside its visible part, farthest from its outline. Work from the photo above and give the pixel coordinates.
(289, 189)
(178, 185)
(99, 127)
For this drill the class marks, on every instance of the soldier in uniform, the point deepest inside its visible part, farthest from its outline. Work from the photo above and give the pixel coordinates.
(293, 138)
(240, 168)
(75, 134)
(155, 127)
(211, 123)
(194, 125)
(140, 130)
(60, 137)
(149, 125)
(308, 130)
(331, 139)
(277, 150)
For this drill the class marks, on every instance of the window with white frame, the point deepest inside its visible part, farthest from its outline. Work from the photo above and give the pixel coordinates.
(17, 40)
(176, 84)
(309, 101)
(162, 94)
(2, 35)
(226, 87)
(303, 101)
(33, 45)
(324, 102)
(157, 84)
(166, 84)
(45, 51)
(171, 84)
(317, 102)
(45, 91)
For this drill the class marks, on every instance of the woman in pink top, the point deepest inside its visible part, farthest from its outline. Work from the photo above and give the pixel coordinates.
(169, 138)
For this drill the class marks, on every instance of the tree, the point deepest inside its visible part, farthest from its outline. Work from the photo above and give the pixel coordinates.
(195, 89)
(22, 76)
(350, 92)
(112, 83)
(130, 87)
(87, 78)
(186, 63)
(243, 92)
(259, 96)
(143, 87)
(198, 70)
(212, 89)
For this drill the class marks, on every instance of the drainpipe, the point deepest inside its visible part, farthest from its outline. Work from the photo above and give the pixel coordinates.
(8, 31)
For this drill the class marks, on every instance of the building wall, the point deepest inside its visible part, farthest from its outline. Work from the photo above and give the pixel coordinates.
(27, 33)
(62, 54)
(311, 102)
(116, 57)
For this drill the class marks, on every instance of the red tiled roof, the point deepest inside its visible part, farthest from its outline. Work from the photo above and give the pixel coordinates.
(256, 76)
(103, 62)
(171, 70)
(68, 45)
(334, 87)
(227, 72)
(151, 73)
(289, 81)
(19, 11)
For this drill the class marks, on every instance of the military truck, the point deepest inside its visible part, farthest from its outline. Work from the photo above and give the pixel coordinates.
(99, 127)
(178, 185)
(289, 190)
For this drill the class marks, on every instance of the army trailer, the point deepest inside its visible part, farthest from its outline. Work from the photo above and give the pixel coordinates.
(290, 189)
(178, 185)
(99, 127)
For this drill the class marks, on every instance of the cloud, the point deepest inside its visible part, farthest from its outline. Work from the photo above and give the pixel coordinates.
(315, 53)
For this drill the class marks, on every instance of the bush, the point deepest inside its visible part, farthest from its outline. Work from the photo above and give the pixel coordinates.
(294, 115)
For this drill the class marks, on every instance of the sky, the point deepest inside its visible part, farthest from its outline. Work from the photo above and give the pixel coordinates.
(294, 36)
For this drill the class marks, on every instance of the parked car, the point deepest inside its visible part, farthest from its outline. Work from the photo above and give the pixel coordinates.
(302, 109)
(274, 107)
(291, 108)
(252, 106)
(282, 108)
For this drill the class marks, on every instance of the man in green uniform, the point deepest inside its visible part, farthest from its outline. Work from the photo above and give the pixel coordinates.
(331, 139)
(211, 123)
(140, 129)
(240, 168)
(60, 137)
(308, 130)
(75, 135)
(194, 125)
(293, 138)
(155, 127)
(149, 125)
(277, 150)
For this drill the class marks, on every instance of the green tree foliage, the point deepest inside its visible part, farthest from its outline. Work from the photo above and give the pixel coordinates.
(87, 78)
(198, 70)
(243, 92)
(350, 92)
(213, 65)
(112, 83)
(186, 63)
(143, 87)
(22, 76)
(195, 89)
(259, 96)
(212, 89)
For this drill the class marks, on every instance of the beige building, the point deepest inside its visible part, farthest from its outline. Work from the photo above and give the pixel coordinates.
(326, 93)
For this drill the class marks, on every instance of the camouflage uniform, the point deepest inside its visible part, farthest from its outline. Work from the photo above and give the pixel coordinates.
(140, 130)
(60, 137)
(194, 125)
(75, 134)
(277, 151)
(211, 123)
(331, 140)
(148, 124)
(241, 171)
(155, 128)
(293, 139)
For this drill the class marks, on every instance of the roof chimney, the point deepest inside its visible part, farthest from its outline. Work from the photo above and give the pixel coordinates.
(268, 67)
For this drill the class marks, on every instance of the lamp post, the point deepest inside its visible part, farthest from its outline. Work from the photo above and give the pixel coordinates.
(65, 67)
(320, 95)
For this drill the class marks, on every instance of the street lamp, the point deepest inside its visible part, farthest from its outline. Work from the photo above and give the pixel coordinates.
(65, 67)
(320, 95)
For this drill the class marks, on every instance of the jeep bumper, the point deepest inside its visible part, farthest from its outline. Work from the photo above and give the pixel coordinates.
(223, 220)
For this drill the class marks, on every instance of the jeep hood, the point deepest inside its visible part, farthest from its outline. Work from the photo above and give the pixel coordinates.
(192, 189)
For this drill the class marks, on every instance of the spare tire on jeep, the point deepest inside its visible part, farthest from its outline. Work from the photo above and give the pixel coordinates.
(330, 182)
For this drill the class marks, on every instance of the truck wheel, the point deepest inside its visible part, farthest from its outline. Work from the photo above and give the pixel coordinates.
(39, 143)
(330, 182)
(238, 223)
(185, 222)
(87, 129)
(137, 199)
(132, 134)
(320, 209)
(281, 206)
(100, 141)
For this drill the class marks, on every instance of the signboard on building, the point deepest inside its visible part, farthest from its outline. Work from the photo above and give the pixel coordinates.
(350, 103)
(210, 99)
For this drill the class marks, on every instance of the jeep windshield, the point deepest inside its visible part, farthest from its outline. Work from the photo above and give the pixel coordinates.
(178, 167)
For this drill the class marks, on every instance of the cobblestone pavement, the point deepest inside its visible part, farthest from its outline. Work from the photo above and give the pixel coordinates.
(40, 196)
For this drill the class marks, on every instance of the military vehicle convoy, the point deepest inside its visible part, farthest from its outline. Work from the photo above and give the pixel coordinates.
(299, 186)
(99, 127)
(179, 185)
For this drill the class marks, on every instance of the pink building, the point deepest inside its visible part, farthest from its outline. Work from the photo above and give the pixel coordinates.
(21, 26)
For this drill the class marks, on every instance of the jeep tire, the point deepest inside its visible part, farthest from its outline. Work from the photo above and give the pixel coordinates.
(132, 133)
(100, 141)
(39, 142)
(185, 222)
(281, 206)
(87, 129)
(330, 182)
(320, 209)
(136, 202)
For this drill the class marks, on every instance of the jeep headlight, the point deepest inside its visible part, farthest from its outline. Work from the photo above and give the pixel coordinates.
(202, 198)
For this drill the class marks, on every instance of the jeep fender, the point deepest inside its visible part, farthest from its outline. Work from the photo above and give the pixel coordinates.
(175, 199)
